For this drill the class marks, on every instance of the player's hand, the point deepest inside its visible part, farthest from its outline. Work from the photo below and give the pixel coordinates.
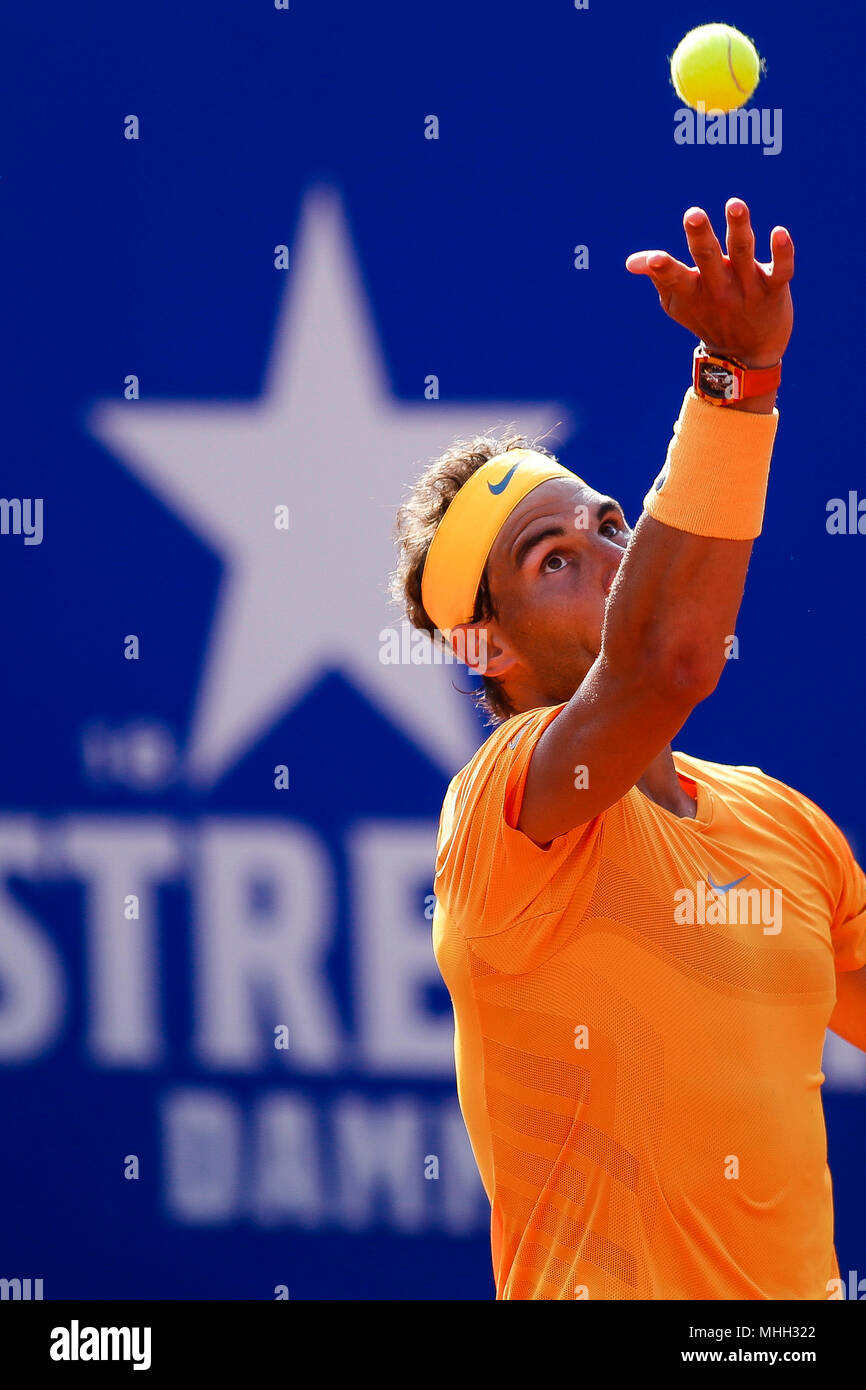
(740, 307)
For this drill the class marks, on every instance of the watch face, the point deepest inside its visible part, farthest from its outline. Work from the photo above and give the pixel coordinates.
(717, 381)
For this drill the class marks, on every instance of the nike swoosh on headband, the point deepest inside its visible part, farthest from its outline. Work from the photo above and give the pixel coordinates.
(501, 486)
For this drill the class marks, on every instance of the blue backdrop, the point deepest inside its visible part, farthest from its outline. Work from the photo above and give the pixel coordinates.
(249, 287)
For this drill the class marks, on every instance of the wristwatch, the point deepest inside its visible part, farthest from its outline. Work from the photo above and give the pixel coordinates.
(723, 380)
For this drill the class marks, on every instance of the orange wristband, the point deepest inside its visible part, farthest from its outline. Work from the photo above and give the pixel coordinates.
(714, 480)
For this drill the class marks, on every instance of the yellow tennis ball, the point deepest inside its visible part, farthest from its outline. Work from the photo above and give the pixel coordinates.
(717, 65)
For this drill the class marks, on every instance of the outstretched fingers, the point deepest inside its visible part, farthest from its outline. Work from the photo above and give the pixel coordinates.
(705, 249)
(727, 299)
(740, 238)
(781, 268)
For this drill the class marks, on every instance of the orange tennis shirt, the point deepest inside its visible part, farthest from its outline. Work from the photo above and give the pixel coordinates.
(640, 1012)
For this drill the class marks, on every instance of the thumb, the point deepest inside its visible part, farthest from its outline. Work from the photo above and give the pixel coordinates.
(660, 267)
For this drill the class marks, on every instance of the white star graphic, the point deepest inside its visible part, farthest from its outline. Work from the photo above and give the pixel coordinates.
(328, 440)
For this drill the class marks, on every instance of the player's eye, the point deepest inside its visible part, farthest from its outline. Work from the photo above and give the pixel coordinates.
(555, 555)
(612, 528)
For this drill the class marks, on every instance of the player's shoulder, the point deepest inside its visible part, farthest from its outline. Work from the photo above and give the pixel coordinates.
(511, 739)
(736, 774)
(770, 794)
(518, 733)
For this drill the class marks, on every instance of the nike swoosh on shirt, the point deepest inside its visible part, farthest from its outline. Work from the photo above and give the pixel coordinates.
(725, 887)
(501, 486)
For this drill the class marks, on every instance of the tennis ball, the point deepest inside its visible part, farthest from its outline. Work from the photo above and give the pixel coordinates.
(717, 65)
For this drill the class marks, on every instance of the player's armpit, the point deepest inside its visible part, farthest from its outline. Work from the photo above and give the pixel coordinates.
(612, 729)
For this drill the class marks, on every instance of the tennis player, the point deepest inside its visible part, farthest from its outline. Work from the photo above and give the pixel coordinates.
(643, 949)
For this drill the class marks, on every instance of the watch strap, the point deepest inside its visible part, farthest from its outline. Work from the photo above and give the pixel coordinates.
(734, 381)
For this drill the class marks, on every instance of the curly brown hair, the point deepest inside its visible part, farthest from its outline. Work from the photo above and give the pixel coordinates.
(416, 522)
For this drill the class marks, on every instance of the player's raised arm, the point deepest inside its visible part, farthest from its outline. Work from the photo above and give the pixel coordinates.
(676, 594)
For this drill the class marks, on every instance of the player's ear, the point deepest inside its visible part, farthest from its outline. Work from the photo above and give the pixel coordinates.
(481, 647)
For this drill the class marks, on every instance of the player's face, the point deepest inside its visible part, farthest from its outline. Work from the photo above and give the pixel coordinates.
(550, 572)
